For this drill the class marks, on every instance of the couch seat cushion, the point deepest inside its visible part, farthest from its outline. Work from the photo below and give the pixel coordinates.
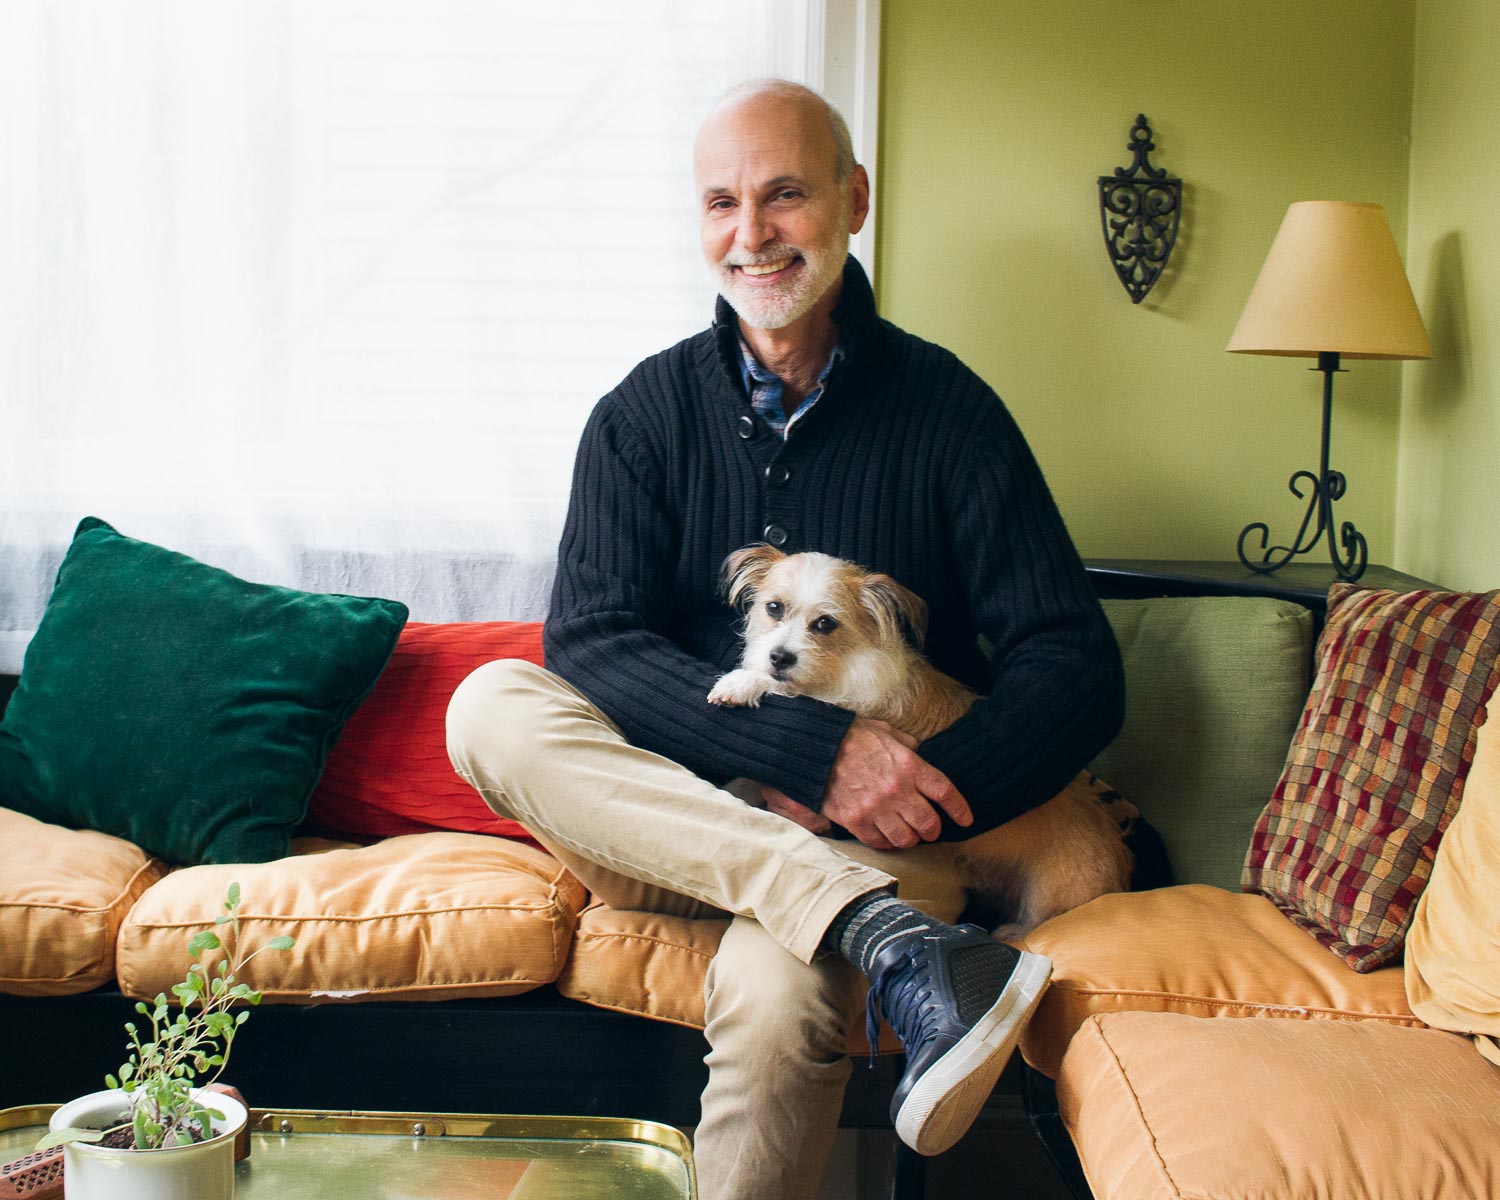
(1197, 950)
(649, 964)
(424, 917)
(63, 895)
(654, 965)
(1163, 1106)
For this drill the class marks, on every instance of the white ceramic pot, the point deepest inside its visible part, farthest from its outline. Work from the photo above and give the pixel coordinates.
(203, 1171)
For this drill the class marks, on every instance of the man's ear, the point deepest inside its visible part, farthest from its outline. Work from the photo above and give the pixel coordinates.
(894, 607)
(859, 199)
(744, 570)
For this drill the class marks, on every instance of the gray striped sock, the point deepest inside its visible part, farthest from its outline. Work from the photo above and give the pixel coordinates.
(867, 925)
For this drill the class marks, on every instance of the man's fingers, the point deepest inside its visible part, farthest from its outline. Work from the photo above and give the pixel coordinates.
(899, 833)
(804, 817)
(884, 793)
(923, 820)
(939, 789)
(874, 839)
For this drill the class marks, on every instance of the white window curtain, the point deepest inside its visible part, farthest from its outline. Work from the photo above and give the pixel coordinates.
(322, 291)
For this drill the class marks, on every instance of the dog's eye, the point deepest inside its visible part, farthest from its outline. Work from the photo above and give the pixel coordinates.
(773, 609)
(824, 625)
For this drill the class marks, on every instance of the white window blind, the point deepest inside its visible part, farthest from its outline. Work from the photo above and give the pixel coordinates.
(322, 291)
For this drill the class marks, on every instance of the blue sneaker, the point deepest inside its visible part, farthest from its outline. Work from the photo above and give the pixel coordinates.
(958, 1001)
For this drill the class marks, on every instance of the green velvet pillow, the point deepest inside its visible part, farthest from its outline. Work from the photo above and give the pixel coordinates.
(180, 707)
(1214, 686)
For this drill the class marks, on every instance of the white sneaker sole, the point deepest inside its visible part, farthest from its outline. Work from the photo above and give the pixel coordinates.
(944, 1102)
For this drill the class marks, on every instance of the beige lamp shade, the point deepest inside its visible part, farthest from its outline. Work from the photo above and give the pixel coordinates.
(1333, 281)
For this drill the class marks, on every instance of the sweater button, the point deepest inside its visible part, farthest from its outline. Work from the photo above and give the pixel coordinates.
(745, 427)
(777, 474)
(776, 535)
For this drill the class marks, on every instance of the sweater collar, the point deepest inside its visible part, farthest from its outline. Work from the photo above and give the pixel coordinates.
(854, 315)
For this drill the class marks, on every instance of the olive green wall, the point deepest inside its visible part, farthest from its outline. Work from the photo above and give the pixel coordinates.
(997, 118)
(1448, 495)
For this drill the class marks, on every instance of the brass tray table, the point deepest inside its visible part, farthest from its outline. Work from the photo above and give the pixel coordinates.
(314, 1155)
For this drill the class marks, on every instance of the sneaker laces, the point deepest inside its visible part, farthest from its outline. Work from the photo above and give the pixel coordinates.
(901, 994)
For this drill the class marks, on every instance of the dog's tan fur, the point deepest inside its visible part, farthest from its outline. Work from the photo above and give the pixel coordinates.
(845, 629)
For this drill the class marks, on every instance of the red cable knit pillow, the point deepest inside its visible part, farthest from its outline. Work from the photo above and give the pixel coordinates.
(1377, 766)
(389, 773)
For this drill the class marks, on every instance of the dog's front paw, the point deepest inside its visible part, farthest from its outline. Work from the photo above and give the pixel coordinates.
(740, 689)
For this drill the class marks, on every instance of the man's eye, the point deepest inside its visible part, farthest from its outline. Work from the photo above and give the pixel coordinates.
(722, 204)
(773, 609)
(824, 625)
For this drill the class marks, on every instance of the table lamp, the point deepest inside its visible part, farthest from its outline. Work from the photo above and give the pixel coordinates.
(1332, 287)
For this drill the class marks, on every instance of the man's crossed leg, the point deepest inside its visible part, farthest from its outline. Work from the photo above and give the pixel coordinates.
(644, 833)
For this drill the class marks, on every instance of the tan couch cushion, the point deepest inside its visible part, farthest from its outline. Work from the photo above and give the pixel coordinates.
(1197, 950)
(63, 894)
(424, 917)
(654, 966)
(1453, 948)
(643, 963)
(1167, 1106)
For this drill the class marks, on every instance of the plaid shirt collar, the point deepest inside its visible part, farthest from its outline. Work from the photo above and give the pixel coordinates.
(764, 390)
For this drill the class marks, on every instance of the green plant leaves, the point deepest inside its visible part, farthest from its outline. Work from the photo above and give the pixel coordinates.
(147, 1131)
(62, 1137)
(188, 1049)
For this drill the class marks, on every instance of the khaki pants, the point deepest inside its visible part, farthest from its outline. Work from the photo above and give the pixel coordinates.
(643, 833)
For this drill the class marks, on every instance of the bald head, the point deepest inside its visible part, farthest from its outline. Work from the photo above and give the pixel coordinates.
(769, 95)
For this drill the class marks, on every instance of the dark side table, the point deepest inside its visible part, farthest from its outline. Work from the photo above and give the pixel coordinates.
(1306, 583)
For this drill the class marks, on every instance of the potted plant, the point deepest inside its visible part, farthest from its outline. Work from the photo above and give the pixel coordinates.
(156, 1134)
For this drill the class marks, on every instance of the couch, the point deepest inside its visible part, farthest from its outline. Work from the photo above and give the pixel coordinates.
(450, 971)
(1196, 1041)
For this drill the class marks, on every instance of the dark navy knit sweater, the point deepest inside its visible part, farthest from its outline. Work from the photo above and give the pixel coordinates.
(909, 464)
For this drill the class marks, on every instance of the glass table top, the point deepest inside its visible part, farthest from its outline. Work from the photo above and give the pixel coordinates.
(437, 1156)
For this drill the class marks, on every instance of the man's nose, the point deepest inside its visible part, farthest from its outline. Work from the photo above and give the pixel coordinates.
(754, 228)
(782, 658)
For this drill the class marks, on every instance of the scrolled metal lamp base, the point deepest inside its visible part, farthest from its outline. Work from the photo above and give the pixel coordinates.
(1327, 486)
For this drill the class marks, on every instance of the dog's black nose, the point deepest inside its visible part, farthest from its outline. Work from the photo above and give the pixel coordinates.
(782, 659)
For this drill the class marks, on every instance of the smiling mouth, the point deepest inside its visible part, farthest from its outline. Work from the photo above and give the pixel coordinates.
(758, 270)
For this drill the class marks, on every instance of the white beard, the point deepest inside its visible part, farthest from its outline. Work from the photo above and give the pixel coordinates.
(779, 306)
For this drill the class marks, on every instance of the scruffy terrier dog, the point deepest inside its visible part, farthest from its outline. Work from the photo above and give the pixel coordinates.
(824, 627)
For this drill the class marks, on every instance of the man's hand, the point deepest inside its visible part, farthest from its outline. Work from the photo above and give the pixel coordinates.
(880, 790)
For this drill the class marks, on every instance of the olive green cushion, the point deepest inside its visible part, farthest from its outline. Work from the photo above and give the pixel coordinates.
(177, 706)
(1214, 686)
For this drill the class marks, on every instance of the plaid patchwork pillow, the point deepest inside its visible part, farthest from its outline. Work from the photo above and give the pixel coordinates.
(1377, 765)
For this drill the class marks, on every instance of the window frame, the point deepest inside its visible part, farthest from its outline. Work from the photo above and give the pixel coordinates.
(843, 52)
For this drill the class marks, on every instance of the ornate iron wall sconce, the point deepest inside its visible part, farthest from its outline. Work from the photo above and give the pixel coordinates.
(1140, 207)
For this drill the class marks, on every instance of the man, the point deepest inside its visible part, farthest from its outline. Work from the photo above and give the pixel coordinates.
(803, 420)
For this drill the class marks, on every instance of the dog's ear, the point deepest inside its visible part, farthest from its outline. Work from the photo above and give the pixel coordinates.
(894, 607)
(743, 571)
